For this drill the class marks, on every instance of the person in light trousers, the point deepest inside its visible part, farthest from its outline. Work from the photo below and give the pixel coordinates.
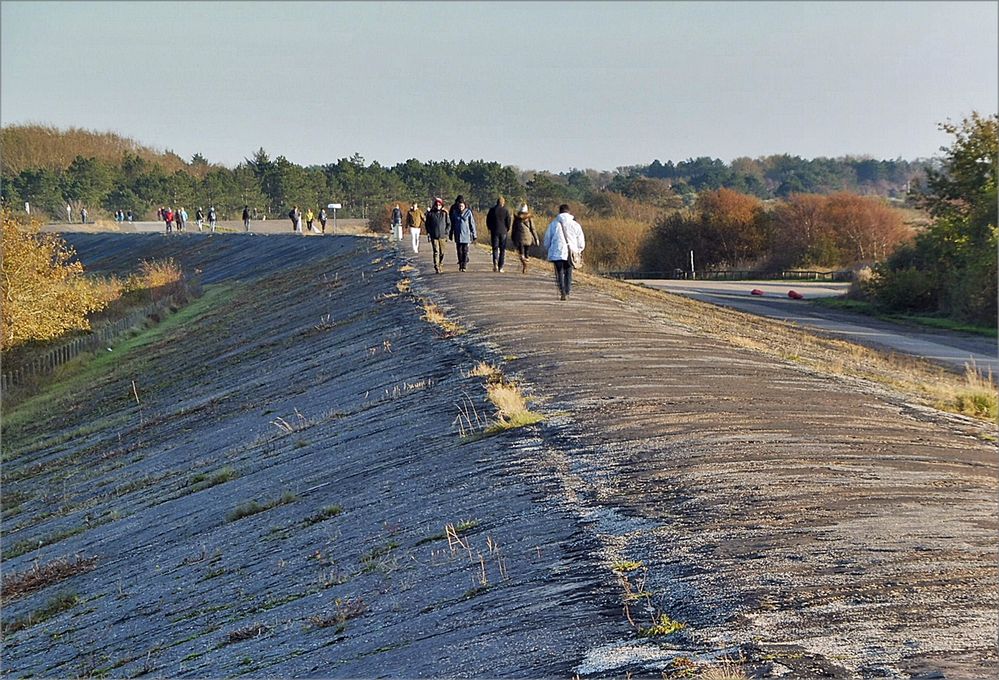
(563, 233)
(414, 220)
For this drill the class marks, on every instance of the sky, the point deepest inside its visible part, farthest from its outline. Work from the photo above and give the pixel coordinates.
(537, 85)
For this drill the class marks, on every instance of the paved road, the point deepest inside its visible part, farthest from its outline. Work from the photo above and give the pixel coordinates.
(952, 349)
(277, 226)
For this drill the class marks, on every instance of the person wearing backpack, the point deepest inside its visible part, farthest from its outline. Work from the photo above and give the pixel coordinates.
(212, 218)
(523, 236)
(199, 218)
(322, 219)
(563, 240)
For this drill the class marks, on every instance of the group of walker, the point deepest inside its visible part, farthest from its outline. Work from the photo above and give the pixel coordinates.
(295, 215)
(563, 240)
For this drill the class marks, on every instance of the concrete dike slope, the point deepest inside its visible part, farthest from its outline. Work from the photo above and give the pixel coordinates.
(271, 498)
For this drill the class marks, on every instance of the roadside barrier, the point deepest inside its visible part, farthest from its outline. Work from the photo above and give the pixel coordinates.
(739, 275)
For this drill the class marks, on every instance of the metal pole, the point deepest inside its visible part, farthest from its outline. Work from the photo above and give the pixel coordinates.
(692, 275)
(334, 222)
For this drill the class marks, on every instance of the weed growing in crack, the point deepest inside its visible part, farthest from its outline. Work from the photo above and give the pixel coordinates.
(253, 508)
(634, 593)
(662, 626)
(450, 529)
(202, 481)
(248, 633)
(344, 610)
(325, 513)
(380, 558)
(53, 607)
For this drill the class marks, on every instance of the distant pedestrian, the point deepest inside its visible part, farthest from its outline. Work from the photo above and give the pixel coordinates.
(168, 218)
(438, 228)
(523, 236)
(564, 234)
(181, 219)
(246, 218)
(83, 215)
(397, 222)
(414, 220)
(322, 219)
(296, 219)
(462, 230)
(130, 216)
(310, 217)
(199, 218)
(213, 218)
(159, 213)
(498, 222)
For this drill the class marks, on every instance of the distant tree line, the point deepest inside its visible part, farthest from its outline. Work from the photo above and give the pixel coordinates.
(114, 173)
(780, 176)
(774, 212)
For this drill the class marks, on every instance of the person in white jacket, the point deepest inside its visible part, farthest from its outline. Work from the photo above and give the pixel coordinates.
(563, 233)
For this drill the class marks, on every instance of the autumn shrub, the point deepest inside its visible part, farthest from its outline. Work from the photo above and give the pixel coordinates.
(44, 292)
(614, 243)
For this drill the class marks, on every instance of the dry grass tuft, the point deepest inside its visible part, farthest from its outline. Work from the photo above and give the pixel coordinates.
(345, 610)
(512, 407)
(506, 397)
(724, 671)
(485, 370)
(41, 576)
(247, 633)
(977, 396)
(435, 315)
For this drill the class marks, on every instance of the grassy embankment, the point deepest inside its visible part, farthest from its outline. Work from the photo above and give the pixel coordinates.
(971, 394)
(30, 418)
(870, 309)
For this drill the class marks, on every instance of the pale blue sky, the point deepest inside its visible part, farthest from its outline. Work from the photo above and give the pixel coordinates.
(543, 85)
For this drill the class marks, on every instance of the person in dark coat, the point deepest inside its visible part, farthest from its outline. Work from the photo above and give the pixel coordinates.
(498, 222)
(438, 224)
(523, 236)
(246, 217)
(462, 230)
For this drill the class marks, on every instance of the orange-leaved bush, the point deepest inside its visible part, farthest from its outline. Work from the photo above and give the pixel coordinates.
(43, 293)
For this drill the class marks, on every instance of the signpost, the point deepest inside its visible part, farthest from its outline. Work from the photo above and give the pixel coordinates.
(334, 207)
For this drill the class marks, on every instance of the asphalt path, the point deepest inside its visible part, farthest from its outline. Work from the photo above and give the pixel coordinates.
(276, 226)
(952, 349)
